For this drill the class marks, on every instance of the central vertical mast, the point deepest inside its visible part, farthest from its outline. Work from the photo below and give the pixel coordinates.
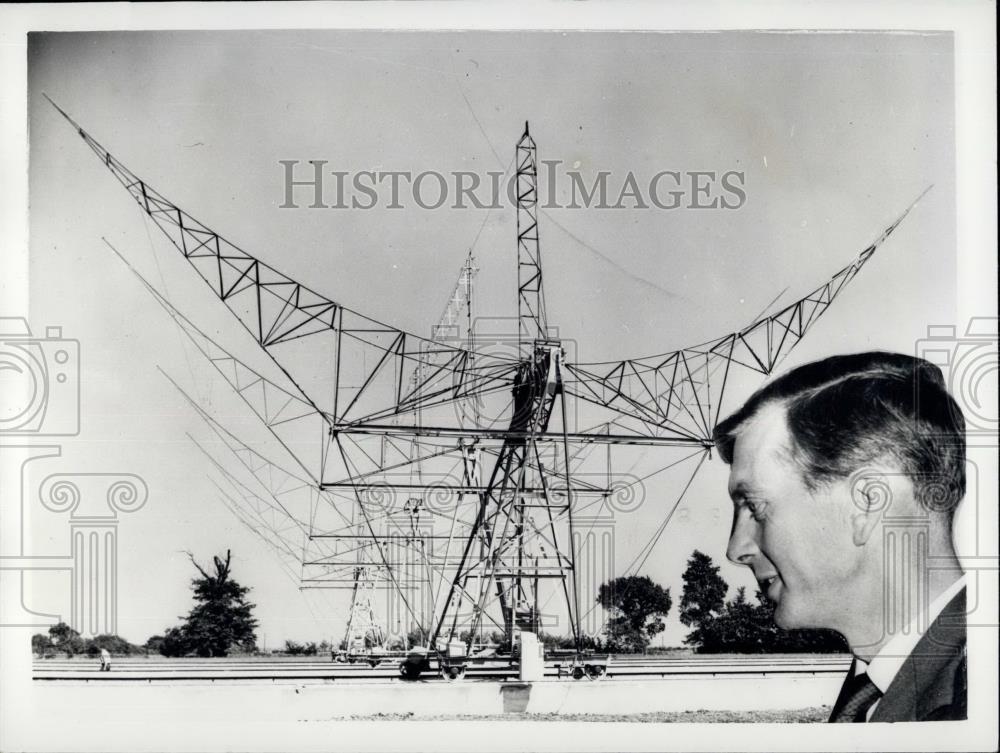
(530, 299)
(521, 520)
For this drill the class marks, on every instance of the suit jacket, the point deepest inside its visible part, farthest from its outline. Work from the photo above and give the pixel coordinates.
(932, 684)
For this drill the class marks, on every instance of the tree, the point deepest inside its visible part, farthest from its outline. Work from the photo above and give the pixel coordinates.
(114, 644)
(154, 644)
(636, 607)
(221, 619)
(174, 643)
(704, 590)
(551, 641)
(703, 602)
(41, 645)
(293, 648)
(65, 638)
(60, 632)
(737, 630)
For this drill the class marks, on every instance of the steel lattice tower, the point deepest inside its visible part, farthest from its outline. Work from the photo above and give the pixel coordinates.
(395, 405)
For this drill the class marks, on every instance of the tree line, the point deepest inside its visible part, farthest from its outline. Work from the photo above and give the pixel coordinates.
(637, 607)
(61, 638)
(222, 621)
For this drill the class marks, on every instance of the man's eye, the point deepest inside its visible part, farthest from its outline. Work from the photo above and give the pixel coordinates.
(756, 509)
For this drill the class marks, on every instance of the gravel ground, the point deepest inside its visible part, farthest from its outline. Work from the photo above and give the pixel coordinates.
(813, 714)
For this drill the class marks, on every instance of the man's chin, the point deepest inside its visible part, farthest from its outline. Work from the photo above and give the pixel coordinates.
(788, 617)
(782, 621)
(784, 616)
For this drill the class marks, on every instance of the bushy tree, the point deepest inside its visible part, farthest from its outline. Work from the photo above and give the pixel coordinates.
(704, 591)
(153, 644)
(114, 645)
(61, 632)
(220, 620)
(65, 638)
(301, 649)
(636, 607)
(174, 643)
(566, 641)
(222, 617)
(42, 645)
(737, 629)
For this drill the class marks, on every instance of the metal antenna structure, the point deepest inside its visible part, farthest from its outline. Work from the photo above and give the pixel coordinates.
(377, 417)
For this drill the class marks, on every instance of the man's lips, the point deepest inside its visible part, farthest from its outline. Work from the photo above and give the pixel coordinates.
(767, 583)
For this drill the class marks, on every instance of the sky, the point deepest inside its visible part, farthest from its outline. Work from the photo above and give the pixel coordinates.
(835, 134)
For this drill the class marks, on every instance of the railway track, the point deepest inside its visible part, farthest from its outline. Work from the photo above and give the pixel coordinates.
(323, 670)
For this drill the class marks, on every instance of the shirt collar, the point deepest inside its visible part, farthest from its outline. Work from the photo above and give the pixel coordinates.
(882, 669)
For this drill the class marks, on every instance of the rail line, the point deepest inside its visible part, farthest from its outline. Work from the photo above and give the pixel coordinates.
(324, 670)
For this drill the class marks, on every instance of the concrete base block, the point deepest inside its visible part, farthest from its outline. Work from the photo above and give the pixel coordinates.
(532, 668)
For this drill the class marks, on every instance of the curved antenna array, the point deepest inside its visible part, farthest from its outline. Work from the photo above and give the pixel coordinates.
(399, 423)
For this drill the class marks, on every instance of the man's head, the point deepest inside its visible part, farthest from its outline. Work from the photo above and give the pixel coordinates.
(819, 456)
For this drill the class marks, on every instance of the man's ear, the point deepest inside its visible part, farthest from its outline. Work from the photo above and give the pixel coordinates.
(872, 492)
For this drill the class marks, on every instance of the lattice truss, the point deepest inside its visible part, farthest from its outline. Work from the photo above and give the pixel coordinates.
(447, 469)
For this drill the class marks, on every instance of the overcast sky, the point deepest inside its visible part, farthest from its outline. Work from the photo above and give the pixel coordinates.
(836, 134)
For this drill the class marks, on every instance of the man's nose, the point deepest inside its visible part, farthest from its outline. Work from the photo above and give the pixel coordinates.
(742, 541)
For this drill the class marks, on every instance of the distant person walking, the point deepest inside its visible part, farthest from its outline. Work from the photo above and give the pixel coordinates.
(105, 660)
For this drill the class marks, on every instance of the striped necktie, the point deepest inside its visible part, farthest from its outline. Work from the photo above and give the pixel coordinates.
(858, 695)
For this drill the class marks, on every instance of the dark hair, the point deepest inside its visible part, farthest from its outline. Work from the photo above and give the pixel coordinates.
(844, 412)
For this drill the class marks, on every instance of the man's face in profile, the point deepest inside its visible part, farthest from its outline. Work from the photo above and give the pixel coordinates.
(797, 542)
